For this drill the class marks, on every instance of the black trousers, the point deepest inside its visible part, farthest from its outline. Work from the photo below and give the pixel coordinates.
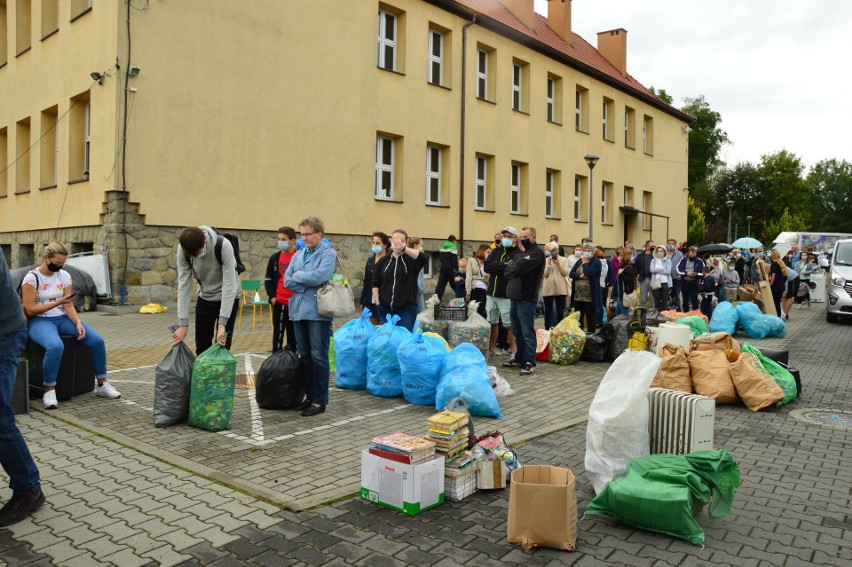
(587, 312)
(443, 279)
(281, 322)
(480, 296)
(207, 322)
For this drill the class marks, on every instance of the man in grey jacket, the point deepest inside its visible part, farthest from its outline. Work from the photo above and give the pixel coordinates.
(210, 258)
(675, 256)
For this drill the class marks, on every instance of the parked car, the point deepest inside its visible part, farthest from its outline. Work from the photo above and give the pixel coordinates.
(839, 284)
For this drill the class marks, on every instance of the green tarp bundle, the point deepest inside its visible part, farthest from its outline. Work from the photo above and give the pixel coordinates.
(661, 493)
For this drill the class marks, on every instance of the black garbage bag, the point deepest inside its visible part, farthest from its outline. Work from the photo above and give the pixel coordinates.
(279, 382)
(619, 332)
(597, 345)
(172, 381)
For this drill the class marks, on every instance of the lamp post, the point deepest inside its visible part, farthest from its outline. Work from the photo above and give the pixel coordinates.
(591, 160)
(730, 209)
(748, 218)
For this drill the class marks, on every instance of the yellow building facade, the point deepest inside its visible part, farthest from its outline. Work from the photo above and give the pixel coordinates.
(122, 123)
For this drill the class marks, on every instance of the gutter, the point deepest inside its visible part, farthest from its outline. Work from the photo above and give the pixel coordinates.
(463, 131)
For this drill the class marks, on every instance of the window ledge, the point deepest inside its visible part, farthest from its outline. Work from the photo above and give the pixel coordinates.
(3, 64)
(486, 100)
(437, 205)
(649, 154)
(630, 147)
(80, 15)
(54, 32)
(18, 54)
(580, 221)
(478, 210)
(394, 71)
(553, 218)
(555, 122)
(521, 112)
(47, 187)
(581, 131)
(519, 214)
(607, 224)
(81, 180)
(380, 200)
(440, 86)
(22, 191)
(609, 140)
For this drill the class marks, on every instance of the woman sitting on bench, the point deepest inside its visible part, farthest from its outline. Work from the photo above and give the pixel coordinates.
(49, 304)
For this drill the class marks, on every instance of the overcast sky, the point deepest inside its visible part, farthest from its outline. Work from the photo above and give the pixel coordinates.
(777, 71)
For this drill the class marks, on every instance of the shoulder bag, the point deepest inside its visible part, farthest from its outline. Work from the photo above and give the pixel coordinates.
(336, 299)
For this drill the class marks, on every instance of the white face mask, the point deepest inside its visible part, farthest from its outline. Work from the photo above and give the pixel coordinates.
(578, 253)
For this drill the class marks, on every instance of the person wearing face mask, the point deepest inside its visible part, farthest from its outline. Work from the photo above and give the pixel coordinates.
(690, 269)
(395, 281)
(498, 305)
(277, 292)
(554, 285)
(497, 241)
(805, 267)
(586, 287)
(731, 281)
(560, 249)
(575, 257)
(759, 258)
(49, 302)
(739, 263)
(675, 256)
(643, 270)
(417, 243)
(606, 270)
(661, 269)
(788, 258)
(476, 280)
(379, 246)
(524, 282)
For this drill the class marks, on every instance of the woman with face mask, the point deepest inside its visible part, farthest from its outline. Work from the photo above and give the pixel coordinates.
(575, 256)
(476, 280)
(554, 286)
(759, 258)
(277, 292)
(805, 267)
(379, 245)
(49, 303)
(586, 287)
(661, 269)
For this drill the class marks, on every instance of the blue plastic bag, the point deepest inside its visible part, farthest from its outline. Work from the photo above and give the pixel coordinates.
(776, 326)
(472, 383)
(725, 318)
(466, 354)
(383, 377)
(350, 352)
(420, 358)
(752, 320)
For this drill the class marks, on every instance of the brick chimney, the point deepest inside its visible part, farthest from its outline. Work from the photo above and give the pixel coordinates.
(523, 10)
(559, 18)
(613, 46)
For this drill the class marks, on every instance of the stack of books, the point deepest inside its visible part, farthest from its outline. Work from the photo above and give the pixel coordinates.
(448, 430)
(460, 477)
(403, 448)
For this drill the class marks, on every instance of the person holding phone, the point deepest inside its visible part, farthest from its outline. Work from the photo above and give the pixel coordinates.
(49, 303)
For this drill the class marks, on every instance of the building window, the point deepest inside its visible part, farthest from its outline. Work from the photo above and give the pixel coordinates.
(22, 150)
(629, 128)
(384, 168)
(517, 86)
(49, 17)
(49, 147)
(515, 196)
(607, 112)
(4, 162)
(79, 7)
(606, 202)
(554, 99)
(387, 40)
(436, 57)
(551, 194)
(430, 259)
(579, 200)
(23, 25)
(482, 74)
(628, 196)
(433, 174)
(4, 37)
(646, 206)
(648, 135)
(581, 108)
(79, 141)
(481, 197)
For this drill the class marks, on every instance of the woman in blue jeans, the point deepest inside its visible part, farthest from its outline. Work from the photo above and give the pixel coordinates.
(49, 302)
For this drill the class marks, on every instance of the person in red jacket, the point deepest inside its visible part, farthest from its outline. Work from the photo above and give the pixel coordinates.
(277, 292)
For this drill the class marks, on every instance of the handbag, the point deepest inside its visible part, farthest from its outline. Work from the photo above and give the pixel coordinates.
(656, 281)
(630, 299)
(335, 299)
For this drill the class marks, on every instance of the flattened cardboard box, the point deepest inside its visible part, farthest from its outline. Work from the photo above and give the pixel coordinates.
(407, 488)
(491, 475)
(543, 508)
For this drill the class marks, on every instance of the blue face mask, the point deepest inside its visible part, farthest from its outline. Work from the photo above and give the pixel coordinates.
(507, 242)
(376, 249)
(587, 254)
(283, 245)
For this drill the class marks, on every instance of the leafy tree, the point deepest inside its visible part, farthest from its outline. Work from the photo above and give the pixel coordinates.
(696, 226)
(785, 223)
(782, 181)
(829, 204)
(662, 95)
(706, 140)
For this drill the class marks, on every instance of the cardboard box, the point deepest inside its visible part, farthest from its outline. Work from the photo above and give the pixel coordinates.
(411, 489)
(543, 508)
(490, 475)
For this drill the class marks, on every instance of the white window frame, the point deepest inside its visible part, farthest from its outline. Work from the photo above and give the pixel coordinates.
(56, 150)
(433, 173)
(436, 59)
(481, 183)
(384, 41)
(578, 103)
(627, 127)
(551, 99)
(515, 190)
(517, 86)
(427, 269)
(384, 168)
(87, 149)
(606, 119)
(604, 218)
(645, 135)
(482, 74)
(578, 199)
(549, 178)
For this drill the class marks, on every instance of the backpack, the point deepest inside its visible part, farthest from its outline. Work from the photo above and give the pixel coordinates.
(21, 293)
(235, 244)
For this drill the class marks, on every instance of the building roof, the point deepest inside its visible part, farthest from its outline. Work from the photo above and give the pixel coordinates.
(578, 54)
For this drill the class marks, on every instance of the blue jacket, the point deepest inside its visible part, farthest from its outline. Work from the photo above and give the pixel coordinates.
(592, 271)
(305, 275)
(699, 267)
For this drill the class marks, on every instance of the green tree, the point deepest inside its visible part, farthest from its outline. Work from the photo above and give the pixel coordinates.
(829, 203)
(662, 95)
(696, 226)
(782, 182)
(706, 140)
(785, 223)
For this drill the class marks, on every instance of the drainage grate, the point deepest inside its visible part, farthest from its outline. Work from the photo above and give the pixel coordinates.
(245, 381)
(824, 417)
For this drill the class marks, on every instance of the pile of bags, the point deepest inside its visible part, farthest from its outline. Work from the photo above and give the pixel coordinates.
(475, 330)
(756, 324)
(427, 321)
(464, 374)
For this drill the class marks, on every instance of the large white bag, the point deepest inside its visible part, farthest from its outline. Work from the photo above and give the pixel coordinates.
(617, 431)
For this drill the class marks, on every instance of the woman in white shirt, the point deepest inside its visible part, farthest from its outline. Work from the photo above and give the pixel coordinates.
(661, 269)
(49, 303)
(476, 282)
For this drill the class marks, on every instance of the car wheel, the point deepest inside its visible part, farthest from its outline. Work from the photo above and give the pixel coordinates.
(830, 317)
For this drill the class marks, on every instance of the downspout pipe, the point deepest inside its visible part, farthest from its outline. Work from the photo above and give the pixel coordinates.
(463, 124)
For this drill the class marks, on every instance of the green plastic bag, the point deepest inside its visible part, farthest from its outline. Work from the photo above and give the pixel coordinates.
(661, 493)
(211, 399)
(780, 374)
(695, 323)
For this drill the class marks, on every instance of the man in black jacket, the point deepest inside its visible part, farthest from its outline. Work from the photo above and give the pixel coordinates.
(524, 275)
(395, 281)
(497, 304)
(449, 255)
(643, 270)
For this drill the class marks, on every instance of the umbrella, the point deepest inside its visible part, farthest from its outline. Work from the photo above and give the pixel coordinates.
(715, 248)
(746, 242)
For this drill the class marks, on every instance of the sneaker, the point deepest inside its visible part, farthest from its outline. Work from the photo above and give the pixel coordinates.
(527, 369)
(106, 390)
(49, 400)
(21, 505)
(512, 363)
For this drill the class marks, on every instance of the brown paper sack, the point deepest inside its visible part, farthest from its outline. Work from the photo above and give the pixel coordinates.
(716, 341)
(674, 370)
(711, 375)
(754, 385)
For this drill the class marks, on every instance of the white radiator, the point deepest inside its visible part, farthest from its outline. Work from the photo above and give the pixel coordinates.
(680, 423)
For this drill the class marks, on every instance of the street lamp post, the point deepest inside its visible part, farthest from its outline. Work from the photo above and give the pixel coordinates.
(730, 209)
(748, 218)
(591, 160)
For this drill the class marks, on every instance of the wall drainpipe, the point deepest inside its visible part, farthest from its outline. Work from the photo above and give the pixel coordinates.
(463, 122)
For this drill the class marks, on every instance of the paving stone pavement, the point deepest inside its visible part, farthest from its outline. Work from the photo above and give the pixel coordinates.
(110, 504)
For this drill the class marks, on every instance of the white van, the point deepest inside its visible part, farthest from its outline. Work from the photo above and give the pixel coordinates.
(812, 241)
(839, 285)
